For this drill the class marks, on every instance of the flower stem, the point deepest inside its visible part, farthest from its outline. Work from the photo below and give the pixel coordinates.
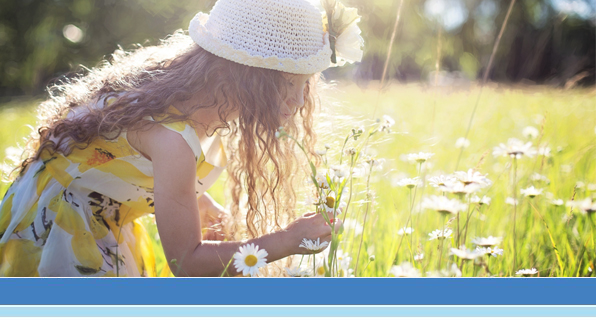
(442, 242)
(364, 222)
(514, 213)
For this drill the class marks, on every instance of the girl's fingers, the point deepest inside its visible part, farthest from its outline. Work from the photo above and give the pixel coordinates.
(338, 224)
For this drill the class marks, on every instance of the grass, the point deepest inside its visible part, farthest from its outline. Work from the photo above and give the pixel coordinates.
(566, 119)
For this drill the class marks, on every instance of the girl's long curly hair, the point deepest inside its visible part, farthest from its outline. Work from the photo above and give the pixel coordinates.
(262, 170)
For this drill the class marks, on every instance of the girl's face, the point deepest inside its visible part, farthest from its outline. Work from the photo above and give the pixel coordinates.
(296, 83)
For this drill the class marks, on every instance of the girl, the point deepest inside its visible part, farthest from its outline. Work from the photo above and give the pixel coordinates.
(142, 135)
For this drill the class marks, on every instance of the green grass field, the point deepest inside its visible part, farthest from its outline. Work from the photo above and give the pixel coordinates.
(556, 240)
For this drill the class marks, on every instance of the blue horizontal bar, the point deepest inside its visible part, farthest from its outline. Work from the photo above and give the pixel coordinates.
(297, 291)
(294, 311)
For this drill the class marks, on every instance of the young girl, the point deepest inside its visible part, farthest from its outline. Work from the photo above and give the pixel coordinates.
(142, 135)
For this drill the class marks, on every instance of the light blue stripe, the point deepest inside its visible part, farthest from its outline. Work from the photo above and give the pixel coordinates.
(298, 311)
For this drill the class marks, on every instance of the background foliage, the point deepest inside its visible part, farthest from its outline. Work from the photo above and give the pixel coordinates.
(546, 41)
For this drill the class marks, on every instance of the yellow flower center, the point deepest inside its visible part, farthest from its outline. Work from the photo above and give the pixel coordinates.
(251, 260)
(330, 202)
(321, 271)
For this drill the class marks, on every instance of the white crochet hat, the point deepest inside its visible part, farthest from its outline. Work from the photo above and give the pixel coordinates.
(284, 35)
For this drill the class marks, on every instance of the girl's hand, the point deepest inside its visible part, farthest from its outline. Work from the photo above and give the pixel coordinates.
(214, 219)
(310, 226)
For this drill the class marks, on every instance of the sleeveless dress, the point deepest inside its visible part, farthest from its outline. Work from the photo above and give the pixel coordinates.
(76, 215)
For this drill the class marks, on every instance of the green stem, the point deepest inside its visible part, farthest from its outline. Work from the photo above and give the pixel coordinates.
(364, 222)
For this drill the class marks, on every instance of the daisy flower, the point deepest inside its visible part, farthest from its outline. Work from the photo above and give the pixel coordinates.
(557, 202)
(340, 171)
(441, 181)
(538, 177)
(313, 245)
(387, 123)
(586, 206)
(531, 192)
(322, 180)
(443, 204)
(493, 251)
(472, 176)
(298, 272)
(526, 272)
(320, 262)
(409, 182)
(405, 230)
(465, 254)
(350, 151)
(437, 234)
(459, 188)
(487, 242)
(249, 259)
(419, 257)
(462, 143)
(514, 149)
(404, 270)
(419, 157)
(511, 201)
(544, 151)
(530, 132)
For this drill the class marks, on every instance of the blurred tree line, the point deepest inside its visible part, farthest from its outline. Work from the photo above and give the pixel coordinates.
(546, 41)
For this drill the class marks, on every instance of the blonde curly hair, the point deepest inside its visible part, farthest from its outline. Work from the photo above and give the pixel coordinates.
(147, 80)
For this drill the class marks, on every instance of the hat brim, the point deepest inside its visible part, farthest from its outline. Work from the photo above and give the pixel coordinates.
(307, 65)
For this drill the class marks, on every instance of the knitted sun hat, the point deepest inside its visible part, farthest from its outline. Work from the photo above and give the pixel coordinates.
(284, 35)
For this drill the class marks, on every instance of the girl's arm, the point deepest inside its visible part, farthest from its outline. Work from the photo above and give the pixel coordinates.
(178, 219)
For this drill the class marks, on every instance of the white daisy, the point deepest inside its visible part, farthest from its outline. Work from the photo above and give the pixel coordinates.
(544, 151)
(538, 177)
(312, 245)
(249, 259)
(493, 251)
(437, 234)
(487, 242)
(511, 201)
(387, 123)
(409, 182)
(441, 181)
(530, 132)
(443, 204)
(419, 157)
(460, 188)
(350, 151)
(322, 180)
(527, 272)
(514, 149)
(320, 262)
(404, 270)
(592, 187)
(586, 206)
(419, 256)
(557, 202)
(462, 143)
(298, 272)
(340, 171)
(473, 176)
(484, 201)
(405, 230)
(531, 192)
(321, 152)
(465, 254)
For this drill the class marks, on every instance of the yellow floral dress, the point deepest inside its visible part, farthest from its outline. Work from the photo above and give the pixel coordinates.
(77, 215)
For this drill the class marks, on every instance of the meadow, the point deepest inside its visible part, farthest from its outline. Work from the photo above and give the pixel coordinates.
(551, 228)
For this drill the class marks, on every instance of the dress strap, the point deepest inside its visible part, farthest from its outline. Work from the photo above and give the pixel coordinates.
(185, 130)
